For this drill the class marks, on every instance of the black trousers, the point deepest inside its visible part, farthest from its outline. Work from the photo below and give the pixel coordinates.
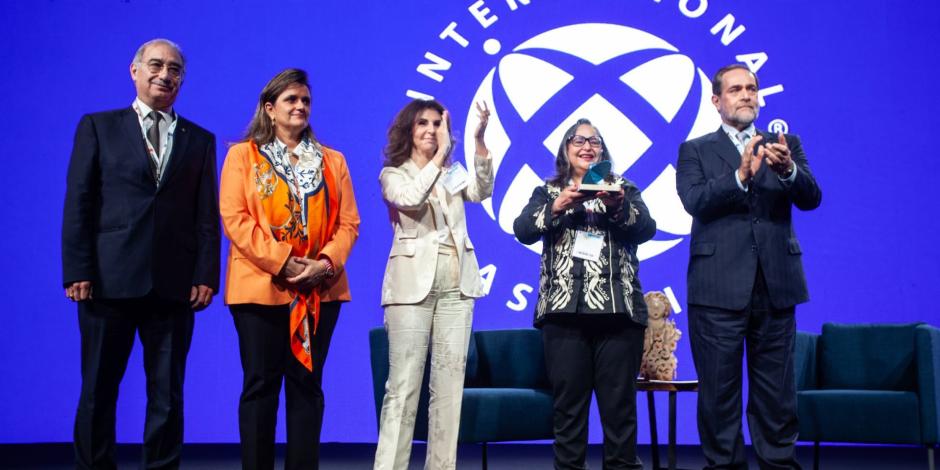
(601, 357)
(264, 346)
(107, 331)
(719, 339)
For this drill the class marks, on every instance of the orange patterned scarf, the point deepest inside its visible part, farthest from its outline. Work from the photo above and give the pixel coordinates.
(285, 212)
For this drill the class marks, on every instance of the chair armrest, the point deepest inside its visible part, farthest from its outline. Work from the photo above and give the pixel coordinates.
(805, 361)
(928, 382)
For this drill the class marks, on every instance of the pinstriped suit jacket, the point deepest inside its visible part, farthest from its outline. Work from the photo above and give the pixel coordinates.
(735, 231)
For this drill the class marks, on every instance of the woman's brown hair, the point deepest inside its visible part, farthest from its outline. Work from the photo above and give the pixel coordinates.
(261, 130)
(400, 139)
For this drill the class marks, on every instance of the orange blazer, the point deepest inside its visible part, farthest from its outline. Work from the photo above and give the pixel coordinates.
(255, 256)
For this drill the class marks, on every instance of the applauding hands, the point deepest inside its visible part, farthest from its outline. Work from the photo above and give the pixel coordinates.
(777, 155)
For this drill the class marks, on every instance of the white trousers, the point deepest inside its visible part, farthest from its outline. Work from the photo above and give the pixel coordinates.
(442, 320)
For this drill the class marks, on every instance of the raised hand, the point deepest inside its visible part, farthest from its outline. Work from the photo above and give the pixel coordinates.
(483, 112)
(442, 135)
(778, 156)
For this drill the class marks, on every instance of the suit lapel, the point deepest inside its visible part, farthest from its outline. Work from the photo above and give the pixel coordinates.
(412, 169)
(180, 142)
(725, 148)
(135, 138)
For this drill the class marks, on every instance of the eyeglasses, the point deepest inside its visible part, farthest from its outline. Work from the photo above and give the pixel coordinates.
(579, 141)
(174, 70)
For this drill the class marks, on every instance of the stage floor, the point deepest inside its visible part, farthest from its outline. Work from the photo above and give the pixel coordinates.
(501, 457)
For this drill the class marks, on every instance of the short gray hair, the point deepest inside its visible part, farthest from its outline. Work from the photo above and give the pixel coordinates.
(139, 55)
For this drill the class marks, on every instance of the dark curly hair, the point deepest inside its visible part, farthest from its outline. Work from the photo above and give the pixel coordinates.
(400, 133)
(563, 166)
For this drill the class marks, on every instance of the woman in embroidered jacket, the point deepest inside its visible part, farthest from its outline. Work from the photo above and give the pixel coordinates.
(288, 208)
(590, 305)
(431, 279)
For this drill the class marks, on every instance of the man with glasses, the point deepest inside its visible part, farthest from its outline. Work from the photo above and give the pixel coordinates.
(745, 275)
(140, 254)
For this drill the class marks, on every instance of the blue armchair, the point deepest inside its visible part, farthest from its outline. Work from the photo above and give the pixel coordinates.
(869, 383)
(506, 396)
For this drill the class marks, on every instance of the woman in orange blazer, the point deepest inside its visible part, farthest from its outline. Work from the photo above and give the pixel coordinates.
(288, 208)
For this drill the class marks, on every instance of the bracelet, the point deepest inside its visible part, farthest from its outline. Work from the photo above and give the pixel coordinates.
(330, 272)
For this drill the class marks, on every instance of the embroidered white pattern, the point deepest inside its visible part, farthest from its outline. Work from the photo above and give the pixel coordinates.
(540, 218)
(595, 284)
(626, 279)
(601, 280)
(562, 267)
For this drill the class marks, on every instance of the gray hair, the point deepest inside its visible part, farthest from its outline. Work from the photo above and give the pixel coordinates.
(139, 55)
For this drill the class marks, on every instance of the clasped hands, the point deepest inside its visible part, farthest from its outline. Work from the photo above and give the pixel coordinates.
(777, 155)
(304, 274)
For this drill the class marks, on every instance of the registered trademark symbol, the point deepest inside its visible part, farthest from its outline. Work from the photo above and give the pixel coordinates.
(777, 126)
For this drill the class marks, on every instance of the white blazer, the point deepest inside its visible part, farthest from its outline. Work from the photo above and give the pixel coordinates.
(413, 257)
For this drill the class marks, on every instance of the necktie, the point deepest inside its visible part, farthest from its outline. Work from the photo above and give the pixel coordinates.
(742, 139)
(153, 134)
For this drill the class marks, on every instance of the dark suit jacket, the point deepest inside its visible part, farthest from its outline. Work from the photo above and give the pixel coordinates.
(123, 233)
(733, 231)
(571, 286)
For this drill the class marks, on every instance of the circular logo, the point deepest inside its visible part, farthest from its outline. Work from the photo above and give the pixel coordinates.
(641, 92)
(542, 71)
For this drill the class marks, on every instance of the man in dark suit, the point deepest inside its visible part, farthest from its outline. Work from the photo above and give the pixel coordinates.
(745, 275)
(140, 254)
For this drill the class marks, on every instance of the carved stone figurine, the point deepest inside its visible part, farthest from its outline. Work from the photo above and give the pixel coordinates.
(659, 345)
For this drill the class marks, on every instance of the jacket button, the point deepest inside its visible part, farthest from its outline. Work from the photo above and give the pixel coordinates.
(754, 248)
(756, 220)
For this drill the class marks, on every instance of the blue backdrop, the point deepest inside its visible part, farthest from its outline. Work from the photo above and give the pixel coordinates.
(855, 80)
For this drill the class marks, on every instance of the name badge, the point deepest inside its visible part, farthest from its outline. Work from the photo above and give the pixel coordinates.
(588, 245)
(455, 178)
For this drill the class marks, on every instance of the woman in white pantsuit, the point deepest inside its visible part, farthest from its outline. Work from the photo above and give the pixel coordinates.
(431, 279)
